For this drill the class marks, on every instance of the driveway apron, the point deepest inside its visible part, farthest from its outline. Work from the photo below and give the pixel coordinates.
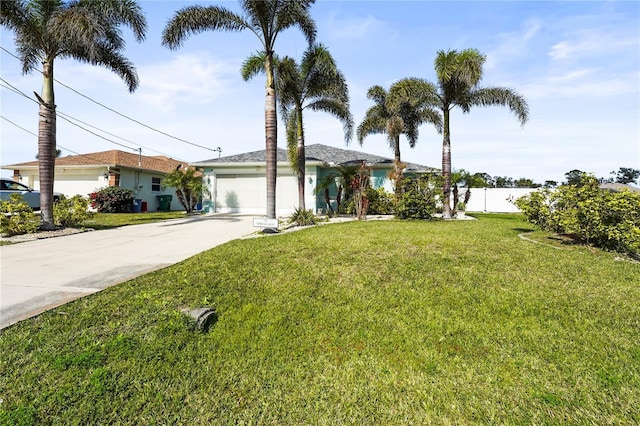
(39, 275)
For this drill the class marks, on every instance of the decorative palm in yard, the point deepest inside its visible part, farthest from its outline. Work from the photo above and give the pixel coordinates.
(401, 110)
(266, 19)
(189, 187)
(315, 84)
(459, 74)
(84, 30)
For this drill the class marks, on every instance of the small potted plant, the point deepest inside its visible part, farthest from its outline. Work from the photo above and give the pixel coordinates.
(460, 209)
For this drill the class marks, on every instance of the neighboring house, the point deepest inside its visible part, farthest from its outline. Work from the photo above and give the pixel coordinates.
(617, 187)
(238, 183)
(85, 173)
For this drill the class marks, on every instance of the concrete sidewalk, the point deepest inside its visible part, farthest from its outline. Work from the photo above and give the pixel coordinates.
(39, 275)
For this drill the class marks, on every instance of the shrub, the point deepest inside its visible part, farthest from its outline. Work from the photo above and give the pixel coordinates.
(189, 187)
(16, 217)
(303, 217)
(112, 199)
(380, 202)
(610, 220)
(417, 199)
(536, 207)
(71, 212)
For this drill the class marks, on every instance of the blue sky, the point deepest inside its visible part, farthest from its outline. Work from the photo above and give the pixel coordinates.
(576, 63)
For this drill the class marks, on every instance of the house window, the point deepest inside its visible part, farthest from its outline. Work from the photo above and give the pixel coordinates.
(155, 184)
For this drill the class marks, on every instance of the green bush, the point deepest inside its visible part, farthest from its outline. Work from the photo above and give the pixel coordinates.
(606, 219)
(536, 207)
(380, 202)
(112, 199)
(71, 212)
(303, 217)
(16, 217)
(417, 199)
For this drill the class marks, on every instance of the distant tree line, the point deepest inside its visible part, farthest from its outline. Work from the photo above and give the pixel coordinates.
(624, 175)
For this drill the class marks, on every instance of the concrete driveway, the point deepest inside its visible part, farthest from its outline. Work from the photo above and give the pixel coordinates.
(39, 275)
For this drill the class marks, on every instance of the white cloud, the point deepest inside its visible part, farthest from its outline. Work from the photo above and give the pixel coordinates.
(591, 44)
(186, 78)
(581, 83)
(356, 29)
(512, 44)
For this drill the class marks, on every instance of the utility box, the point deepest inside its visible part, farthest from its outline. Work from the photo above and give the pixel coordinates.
(164, 202)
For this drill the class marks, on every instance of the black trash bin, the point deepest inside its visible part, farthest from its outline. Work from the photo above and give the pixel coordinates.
(164, 202)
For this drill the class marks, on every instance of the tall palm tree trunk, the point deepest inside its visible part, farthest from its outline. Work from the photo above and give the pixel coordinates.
(446, 166)
(271, 136)
(47, 146)
(396, 165)
(301, 161)
(397, 148)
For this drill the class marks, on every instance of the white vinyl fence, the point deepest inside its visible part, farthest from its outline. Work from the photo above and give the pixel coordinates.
(494, 200)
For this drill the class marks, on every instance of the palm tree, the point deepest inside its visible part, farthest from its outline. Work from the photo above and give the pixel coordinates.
(400, 111)
(84, 30)
(459, 74)
(189, 187)
(266, 19)
(315, 84)
(340, 180)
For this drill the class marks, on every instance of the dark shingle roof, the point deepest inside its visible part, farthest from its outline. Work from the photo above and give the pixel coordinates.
(316, 152)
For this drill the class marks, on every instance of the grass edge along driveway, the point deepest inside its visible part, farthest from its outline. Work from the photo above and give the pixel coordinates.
(359, 323)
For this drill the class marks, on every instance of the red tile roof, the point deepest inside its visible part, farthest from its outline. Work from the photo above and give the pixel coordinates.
(113, 158)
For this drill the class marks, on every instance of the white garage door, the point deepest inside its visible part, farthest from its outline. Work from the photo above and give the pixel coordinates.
(238, 193)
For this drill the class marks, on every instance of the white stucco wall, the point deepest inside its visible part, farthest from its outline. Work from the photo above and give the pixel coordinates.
(83, 181)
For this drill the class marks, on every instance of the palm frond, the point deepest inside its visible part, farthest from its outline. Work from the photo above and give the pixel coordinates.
(80, 31)
(372, 124)
(338, 109)
(377, 94)
(253, 66)
(28, 28)
(120, 12)
(289, 83)
(291, 13)
(413, 92)
(502, 96)
(433, 116)
(445, 64)
(469, 66)
(114, 61)
(294, 132)
(195, 19)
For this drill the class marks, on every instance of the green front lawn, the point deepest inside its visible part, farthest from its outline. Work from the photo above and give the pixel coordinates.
(361, 323)
(115, 220)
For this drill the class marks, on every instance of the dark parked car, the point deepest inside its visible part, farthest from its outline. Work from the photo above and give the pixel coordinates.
(31, 196)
